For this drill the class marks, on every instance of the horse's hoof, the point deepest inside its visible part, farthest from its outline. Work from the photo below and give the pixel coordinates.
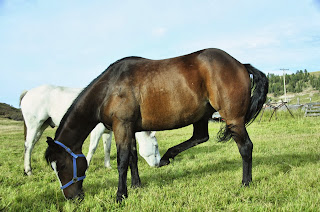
(120, 198)
(136, 183)
(108, 167)
(246, 184)
(28, 173)
(164, 162)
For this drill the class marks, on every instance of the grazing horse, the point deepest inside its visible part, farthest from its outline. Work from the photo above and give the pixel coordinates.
(45, 106)
(135, 94)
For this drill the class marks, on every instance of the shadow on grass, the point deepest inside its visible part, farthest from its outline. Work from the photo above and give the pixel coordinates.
(284, 163)
(167, 174)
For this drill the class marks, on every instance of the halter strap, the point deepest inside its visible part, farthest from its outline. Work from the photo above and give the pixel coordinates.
(74, 158)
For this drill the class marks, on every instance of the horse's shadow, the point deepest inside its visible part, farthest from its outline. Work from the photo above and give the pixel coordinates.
(167, 175)
(284, 163)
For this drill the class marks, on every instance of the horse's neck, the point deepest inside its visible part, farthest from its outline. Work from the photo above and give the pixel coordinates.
(75, 129)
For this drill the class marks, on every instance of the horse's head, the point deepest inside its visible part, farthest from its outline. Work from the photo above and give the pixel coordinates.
(70, 168)
(148, 147)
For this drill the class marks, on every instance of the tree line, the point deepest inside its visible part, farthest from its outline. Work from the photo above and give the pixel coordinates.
(295, 82)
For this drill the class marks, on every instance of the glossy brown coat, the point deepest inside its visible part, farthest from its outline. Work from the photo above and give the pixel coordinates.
(138, 94)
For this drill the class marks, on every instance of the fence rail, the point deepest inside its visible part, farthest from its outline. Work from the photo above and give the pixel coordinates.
(312, 109)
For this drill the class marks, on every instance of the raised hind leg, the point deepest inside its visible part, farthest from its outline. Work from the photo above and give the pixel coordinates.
(33, 135)
(200, 135)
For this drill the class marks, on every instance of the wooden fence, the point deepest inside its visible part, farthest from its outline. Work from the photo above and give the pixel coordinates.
(312, 109)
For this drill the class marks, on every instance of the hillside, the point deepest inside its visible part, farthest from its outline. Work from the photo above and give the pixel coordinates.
(315, 73)
(295, 83)
(7, 111)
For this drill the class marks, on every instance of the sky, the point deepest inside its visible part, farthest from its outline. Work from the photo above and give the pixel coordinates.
(70, 42)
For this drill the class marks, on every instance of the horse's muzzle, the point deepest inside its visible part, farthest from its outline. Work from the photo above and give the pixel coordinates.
(78, 198)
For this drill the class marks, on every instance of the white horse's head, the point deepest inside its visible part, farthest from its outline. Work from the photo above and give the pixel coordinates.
(148, 147)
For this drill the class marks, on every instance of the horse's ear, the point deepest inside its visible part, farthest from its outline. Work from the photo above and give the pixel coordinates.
(50, 141)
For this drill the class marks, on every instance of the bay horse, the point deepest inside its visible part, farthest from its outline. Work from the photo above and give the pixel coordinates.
(135, 94)
(45, 106)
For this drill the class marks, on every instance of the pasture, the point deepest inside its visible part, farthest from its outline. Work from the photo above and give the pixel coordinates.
(286, 173)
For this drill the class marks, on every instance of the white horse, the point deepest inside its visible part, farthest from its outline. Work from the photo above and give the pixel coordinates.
(46, 105)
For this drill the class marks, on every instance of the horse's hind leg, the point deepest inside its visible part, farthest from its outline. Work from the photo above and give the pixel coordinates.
(33, 135)
(94, 141)
(106, 139)
(245, 149)
(245, 146)
(200, 135)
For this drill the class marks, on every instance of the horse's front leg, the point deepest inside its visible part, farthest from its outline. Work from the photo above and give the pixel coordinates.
(133, 162)
(124, 136)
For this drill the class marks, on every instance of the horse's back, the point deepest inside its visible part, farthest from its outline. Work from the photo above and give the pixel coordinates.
(34, 101)
(191, 87)
(171, 93)
(46, 101)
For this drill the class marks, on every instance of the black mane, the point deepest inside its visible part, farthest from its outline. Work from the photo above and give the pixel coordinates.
(47, 155)
(85, 89)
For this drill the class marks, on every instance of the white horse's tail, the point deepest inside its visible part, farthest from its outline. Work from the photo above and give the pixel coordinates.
(24, 123)
(22, 95)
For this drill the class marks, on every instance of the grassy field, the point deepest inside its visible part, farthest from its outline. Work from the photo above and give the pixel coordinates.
(286, 173)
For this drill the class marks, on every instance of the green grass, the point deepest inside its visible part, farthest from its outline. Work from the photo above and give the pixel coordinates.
(286, 173)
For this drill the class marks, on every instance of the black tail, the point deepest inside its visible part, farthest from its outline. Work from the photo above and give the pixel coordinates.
(259, 90)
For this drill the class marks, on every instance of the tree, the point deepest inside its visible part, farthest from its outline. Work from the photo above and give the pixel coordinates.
(295, 82)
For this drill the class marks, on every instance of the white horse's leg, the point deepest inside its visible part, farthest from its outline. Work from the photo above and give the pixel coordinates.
(94, 140)
(33, 135)
(106, 138)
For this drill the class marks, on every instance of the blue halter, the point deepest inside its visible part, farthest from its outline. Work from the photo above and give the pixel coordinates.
(74, 156)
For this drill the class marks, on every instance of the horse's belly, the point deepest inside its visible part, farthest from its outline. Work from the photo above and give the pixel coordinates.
(172, 117)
